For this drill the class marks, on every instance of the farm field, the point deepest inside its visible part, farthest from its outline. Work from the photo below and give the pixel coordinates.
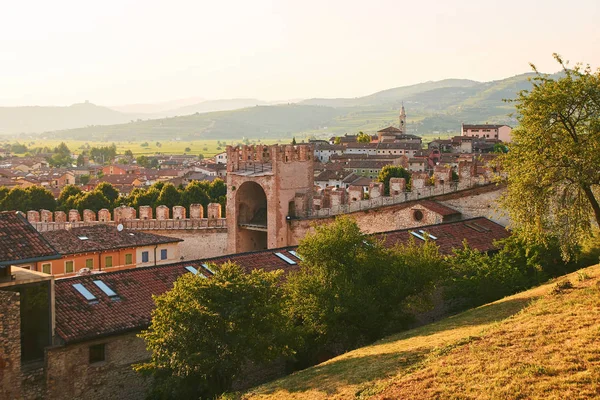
(208, 148)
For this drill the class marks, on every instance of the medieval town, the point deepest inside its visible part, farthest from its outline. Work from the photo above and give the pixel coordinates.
(435, 240)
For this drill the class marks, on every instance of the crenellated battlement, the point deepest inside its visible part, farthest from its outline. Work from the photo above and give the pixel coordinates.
(148, 219)
(260, 158)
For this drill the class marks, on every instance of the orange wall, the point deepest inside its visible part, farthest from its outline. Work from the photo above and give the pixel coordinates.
(79, 260)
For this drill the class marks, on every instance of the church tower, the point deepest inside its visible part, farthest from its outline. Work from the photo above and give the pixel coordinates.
(402, 125)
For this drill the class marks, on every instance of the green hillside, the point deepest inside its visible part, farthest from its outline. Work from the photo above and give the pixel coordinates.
(538, 344)
(253, 122)
(433, 108)
(15, 120)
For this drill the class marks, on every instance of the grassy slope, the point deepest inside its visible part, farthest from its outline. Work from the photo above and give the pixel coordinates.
(531, 345)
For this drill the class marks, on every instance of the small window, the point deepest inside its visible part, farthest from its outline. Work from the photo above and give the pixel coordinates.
(108, 261)
(163, 254)
(417, 215)
(47, 268)
(144, 256)
(89, 263)
(128, 259)
(97, 353)
(69, 268)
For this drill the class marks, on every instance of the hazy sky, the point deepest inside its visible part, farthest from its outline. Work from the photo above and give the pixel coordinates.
(128, 51)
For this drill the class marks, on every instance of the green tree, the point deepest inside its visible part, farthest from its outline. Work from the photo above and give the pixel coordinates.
(17, 199)
(67, 192)
(169, 196)
(108, 191)
(294, 141)
(500, 148)
(553, 159)
(142, 197)
(187, 149)
(337, 140)
(195, 193)
(351, 290)
(40, 199)
(18, 148)
(128, 153)
(80, 160)
(204, 331)
(363, 138)
(143, 161)
(94, 201)
(392, 171)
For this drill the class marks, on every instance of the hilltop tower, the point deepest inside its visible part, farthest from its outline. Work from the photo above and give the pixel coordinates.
(266, 187)
(402, 118)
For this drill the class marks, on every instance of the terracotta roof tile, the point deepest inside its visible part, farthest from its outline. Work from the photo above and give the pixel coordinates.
(101, 237)
(20, 241)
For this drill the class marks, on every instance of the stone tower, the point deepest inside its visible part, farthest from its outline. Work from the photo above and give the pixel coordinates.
(266, 187)
(402, 125)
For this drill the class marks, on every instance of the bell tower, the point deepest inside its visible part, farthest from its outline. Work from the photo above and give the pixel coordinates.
(402, 118)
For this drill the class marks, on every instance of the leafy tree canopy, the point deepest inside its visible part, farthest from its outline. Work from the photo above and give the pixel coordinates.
(204, 331)
(392, 171)
(553, 159)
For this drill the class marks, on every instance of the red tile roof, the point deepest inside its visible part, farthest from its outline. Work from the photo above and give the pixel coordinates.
(480, 233)
(78, 319)
(438, 208)
(20, 242)
(101, 237)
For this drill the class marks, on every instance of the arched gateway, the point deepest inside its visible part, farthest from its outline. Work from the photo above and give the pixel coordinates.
(266, 185)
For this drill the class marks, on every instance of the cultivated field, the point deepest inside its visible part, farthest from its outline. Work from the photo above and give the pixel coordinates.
(208, 148)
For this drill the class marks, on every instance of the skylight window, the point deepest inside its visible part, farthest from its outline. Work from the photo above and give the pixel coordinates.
(415, 234)
(428, 234)
(131, 234)
(104, 287)
(195, 271)
(83, 237)
(84, 292)
(285, 258)
(292, 252)
(208, 269)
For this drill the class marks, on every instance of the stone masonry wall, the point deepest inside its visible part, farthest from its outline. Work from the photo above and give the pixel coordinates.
(201, 243)
(10, 346)
(70, 376)
(481, 202)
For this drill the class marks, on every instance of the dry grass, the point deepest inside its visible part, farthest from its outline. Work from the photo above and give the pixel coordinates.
(542, 343)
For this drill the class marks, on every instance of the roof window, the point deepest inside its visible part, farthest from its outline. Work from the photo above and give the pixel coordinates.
(107, 290)
(285, 258)
(292, 252)
(427, 234)
(206, 267)
(415, 234)
(195, 271)
(84, 292)
(83, 237)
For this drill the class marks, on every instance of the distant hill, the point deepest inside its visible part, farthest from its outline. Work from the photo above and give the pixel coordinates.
(433, 108)
(215, 105)
(534, 345)
(38, 119)
(155, 108)
(392, 95)
(252, 122)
